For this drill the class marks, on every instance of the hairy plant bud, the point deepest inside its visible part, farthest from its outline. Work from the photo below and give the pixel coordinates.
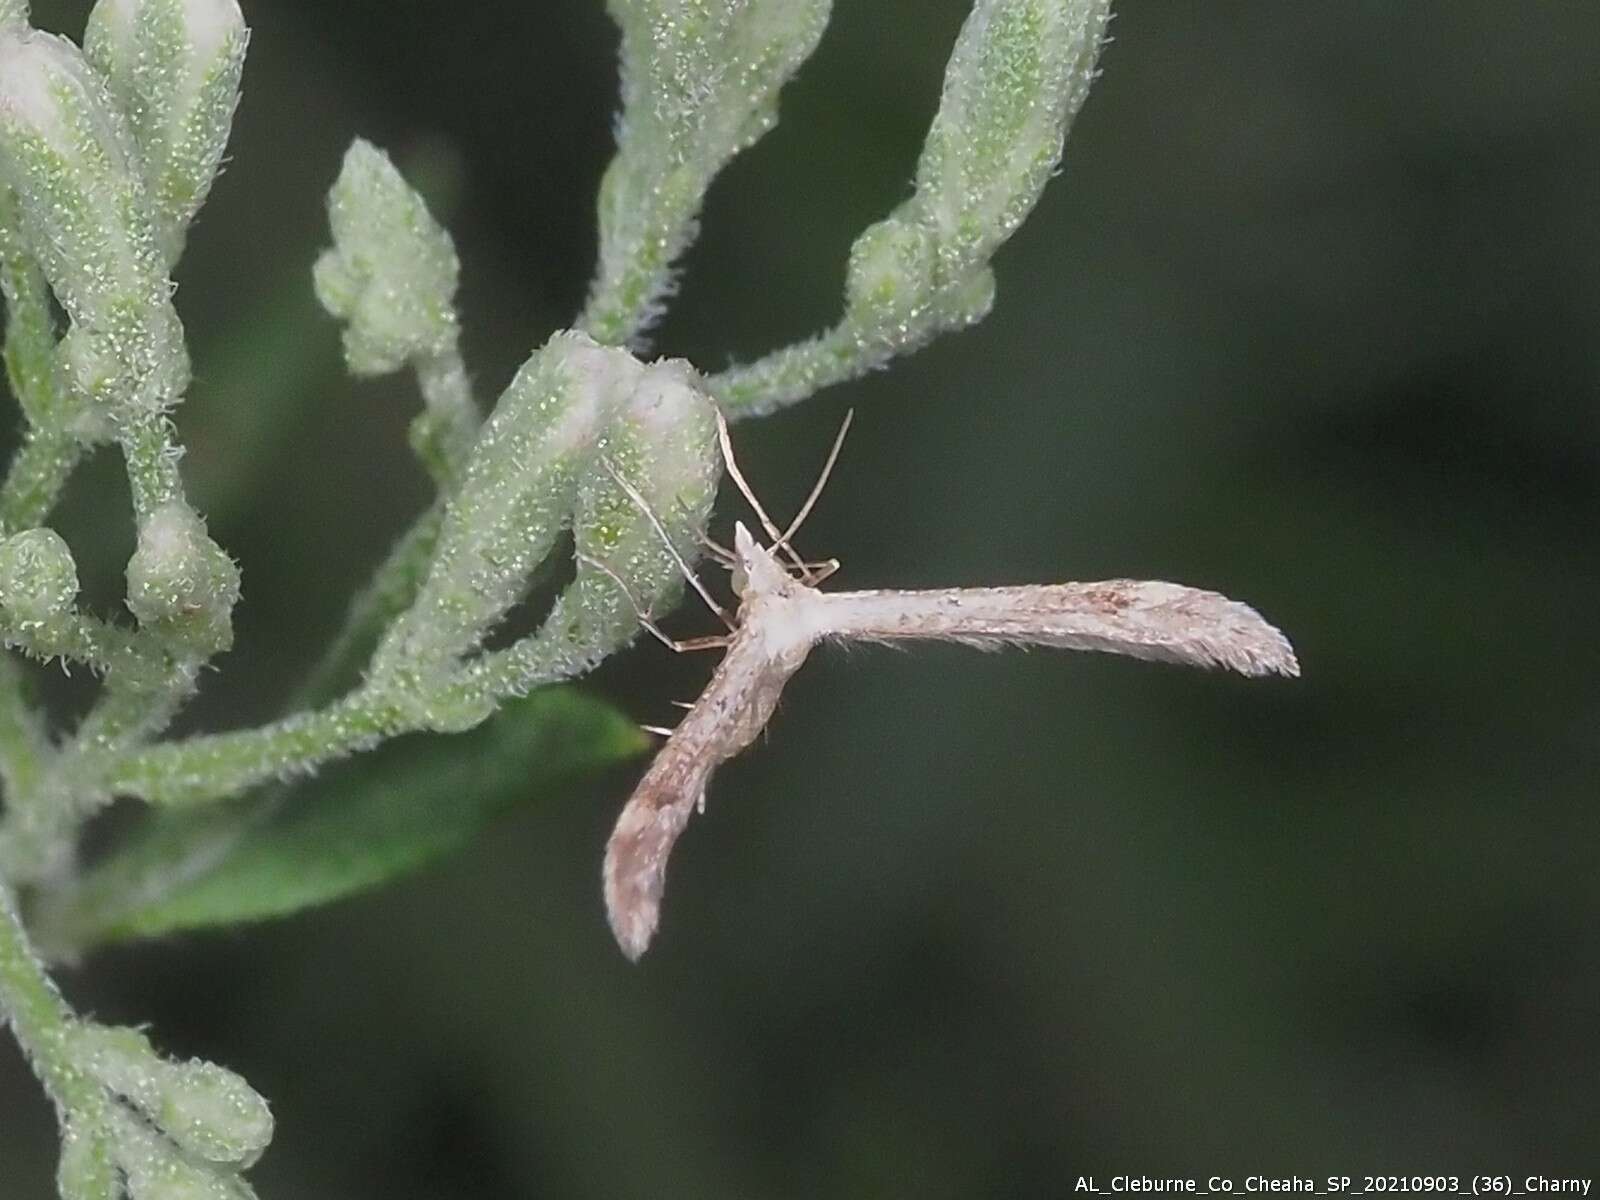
(157, 1171)
(209, 1112)
(392, 271)
(149, 370)
(68, 155)
(660, 454)
(38, 579)
(174, 67)
(213, 1114)
(515, 497)
(700, 83)
(1020, 72)
(87, 1170)
(66, 150)
(893, 266)
(181, 583)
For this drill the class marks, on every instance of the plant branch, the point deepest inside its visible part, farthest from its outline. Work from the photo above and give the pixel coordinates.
(39, 1018)
(444, 431)
(40, 469)
(212, 767)
(24, 746)
(152, 455)
(700, 83)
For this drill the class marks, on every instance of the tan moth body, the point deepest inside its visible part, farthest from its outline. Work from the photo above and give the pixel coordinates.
(781, 617)
(730, 713)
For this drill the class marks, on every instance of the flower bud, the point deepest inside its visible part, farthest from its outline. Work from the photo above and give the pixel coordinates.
(892, 269)
(515, 497)
(392, 270)
(173, 66)
(970, 299)
(700, 83)
(182, 583)
(149, 370)
(87, 1170)
(207, 1111)
(66, 150)
(1020, 71)
(38, 579)
(663, 445)
(157, 1172)
(213, 1114)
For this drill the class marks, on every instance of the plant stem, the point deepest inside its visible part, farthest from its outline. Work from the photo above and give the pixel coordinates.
(131, 707)
(390, 592)
(618, 311)
(24, 749)
(35, 478)
(216, 829)
(30, 330)
(39, 1017)
(56, 790)
(75, 637)
(152, 456)
(26, 760)
(47, 457)
(793, 373)
(214, 766)
(448, 424)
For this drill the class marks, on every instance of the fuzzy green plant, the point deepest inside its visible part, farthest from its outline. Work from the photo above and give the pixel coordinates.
(107, 151)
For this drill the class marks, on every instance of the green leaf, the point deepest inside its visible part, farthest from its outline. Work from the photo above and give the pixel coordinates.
(365, 822)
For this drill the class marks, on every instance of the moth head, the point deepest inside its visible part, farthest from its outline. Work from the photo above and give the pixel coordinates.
(756, 573)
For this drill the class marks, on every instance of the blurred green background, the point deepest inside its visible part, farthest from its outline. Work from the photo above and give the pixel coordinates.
(1311, 317)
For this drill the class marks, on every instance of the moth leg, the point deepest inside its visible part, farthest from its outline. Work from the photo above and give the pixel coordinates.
(816, 572)
(714, 641)
(714, 549)
(662, 730)
(643, 506)
(719, 553)
(717, 641)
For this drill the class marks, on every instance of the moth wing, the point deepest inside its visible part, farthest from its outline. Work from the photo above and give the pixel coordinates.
(1148, 619)
(634, 874)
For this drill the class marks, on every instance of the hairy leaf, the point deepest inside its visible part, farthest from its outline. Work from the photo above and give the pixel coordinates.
(363, 823)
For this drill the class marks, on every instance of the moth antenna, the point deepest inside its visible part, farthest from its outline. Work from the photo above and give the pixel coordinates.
(745, 489)
(816, 489)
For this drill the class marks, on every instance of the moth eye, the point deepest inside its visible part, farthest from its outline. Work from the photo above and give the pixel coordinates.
(740, 581)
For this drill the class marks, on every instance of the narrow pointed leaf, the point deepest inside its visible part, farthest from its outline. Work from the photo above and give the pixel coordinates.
(365, 822)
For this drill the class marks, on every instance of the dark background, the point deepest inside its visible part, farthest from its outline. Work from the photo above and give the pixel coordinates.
(1310, 317)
